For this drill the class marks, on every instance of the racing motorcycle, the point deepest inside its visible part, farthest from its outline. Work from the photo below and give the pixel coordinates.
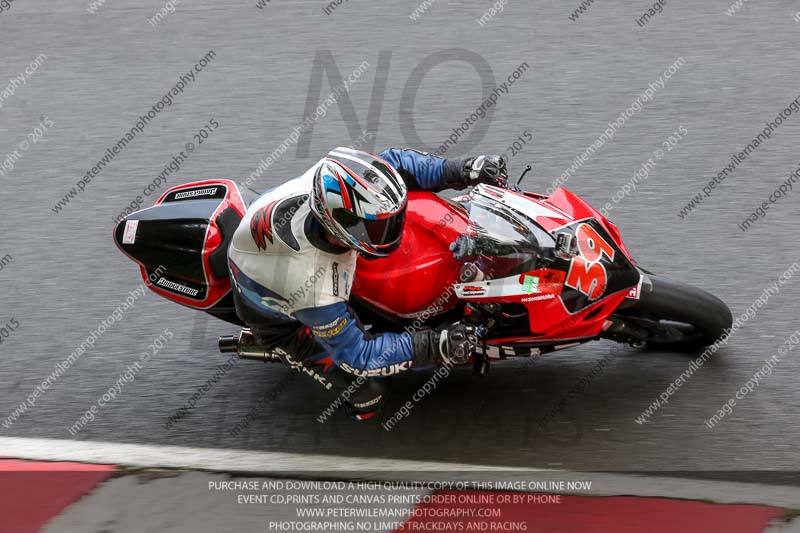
(534, 273)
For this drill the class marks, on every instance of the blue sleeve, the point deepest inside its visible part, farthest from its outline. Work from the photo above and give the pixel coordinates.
(354, 350)
(420, 171)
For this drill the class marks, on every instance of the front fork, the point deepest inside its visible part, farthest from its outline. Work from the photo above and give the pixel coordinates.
(629, 331)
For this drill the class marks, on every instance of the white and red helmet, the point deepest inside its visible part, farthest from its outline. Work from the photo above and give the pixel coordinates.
(361, 200)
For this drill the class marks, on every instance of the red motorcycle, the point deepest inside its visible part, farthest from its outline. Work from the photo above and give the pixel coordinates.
(536, 273)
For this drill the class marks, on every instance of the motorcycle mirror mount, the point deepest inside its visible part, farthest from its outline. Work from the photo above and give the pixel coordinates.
(527, 169)
(566, 246)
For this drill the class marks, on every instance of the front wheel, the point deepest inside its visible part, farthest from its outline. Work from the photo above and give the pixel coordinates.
(677, 316)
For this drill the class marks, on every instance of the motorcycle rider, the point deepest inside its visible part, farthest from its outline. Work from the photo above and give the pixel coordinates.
(293, 260)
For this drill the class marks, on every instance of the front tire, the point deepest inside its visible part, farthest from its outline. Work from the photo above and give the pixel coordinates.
(679, 316)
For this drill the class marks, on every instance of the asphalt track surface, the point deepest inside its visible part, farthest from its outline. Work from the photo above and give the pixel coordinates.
(103, 70)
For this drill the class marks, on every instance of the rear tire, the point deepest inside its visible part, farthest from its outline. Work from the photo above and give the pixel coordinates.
(691, 317)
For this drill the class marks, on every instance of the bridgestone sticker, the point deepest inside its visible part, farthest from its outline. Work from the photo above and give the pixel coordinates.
(177, 287)
(200, 192)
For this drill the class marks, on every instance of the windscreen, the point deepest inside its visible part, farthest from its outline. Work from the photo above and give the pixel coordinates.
(500, 241)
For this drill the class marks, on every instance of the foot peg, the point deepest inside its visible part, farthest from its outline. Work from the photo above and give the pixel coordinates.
(246, 347)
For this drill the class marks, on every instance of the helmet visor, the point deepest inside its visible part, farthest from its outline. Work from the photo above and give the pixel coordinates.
(376, 233)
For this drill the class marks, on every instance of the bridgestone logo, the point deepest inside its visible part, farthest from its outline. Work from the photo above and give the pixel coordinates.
(177, 287)
(199, 192)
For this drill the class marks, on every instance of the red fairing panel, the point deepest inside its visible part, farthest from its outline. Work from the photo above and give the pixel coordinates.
(416, 279)
(550, 320)
(573, 208)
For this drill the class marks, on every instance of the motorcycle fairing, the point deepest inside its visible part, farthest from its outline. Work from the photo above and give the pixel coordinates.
(614, 270)
(187, 232)
(566, 298)
(417, 279)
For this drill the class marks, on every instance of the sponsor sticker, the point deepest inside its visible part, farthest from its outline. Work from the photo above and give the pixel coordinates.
(330, 330)
(129, 237)
(530, 284)
(636, 292)
(199, 192)
(371, 402)
(297, 365)
(177, 287)
(336, 279)
(473, 290)
(538, 298)
(390, 370)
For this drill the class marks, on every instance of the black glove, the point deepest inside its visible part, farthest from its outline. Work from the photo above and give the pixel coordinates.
(461, 173)
(489, 169)
(450, 346)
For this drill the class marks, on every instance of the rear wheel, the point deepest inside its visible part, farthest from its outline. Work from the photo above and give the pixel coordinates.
(677, 316)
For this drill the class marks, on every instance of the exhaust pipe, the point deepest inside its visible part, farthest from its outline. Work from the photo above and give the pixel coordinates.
(246, 347)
